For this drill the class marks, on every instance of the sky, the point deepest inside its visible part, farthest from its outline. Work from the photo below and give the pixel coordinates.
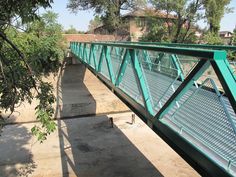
(81, 20)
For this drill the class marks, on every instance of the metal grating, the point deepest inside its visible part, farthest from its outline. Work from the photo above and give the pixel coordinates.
(130, 86)
(204, 117)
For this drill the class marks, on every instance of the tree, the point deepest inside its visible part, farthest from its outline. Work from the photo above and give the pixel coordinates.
(110, 10)
(215, 10)
(179, 17)
(26, 57)
(232, 54)
(94, 23)
(71, 30)
(234, 36)
(212, 38)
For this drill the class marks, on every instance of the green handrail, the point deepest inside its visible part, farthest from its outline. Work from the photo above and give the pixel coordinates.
(206, 57)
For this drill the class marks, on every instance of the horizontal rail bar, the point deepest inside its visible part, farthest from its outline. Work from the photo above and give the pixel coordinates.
(193, 153)
(201, 53)
(202, 46)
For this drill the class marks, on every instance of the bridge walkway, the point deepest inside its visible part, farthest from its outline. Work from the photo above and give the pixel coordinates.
(171, 89)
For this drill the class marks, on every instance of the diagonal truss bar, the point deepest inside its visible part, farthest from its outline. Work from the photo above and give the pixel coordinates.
(122, 69)
(109, 64)
(227, 80)
(205, 165)
(198, 70)
(140, 80)
(177, 64)
(100, 60)
(84, 50)
(94, 57)
(147, 59)
(90, 53)
(80, 50)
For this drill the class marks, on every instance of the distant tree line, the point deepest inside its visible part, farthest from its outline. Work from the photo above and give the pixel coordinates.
(73, 30)
(178, 30)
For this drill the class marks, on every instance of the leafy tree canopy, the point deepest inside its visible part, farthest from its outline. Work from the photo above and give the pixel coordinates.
(94, 23)
(214, 11)
(24, 9)
(212, 39)
(179, 17)
(72, 30)
(27, 56)
(234, 36)
(110, 10)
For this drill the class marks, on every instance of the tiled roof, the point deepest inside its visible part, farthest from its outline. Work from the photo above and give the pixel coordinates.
(148, 12)
(89, 37)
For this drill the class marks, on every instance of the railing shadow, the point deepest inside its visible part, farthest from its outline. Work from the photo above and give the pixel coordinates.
(88, 145)
(16, 158)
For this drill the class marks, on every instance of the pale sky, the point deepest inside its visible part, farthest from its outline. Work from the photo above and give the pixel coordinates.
(81, 20)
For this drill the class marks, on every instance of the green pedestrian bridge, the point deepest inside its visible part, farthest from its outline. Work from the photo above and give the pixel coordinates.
(185, 93)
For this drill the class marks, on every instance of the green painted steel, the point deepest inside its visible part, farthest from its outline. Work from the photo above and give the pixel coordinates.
(91, 53)
(100, 60)
(199, 69)
(227, 80)
(140, 80)
(122, 68)
(177, 66)
(176, 94)
(147, 59)
(109, 65)
(202, 46)
(84, 52)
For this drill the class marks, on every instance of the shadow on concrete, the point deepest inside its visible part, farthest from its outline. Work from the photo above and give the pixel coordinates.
(15, 157)
(89, 146)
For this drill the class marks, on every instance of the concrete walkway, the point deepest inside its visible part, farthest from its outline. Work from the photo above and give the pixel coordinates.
(84, 144)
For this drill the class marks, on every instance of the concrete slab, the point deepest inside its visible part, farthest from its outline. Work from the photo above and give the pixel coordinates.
(90, 147)
(86, 146)
(78, 92)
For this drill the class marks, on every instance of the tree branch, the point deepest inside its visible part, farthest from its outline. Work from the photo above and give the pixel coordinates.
(4, 37)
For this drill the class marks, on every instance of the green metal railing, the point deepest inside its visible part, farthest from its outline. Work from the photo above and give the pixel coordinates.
(197, 46)
(183, 107)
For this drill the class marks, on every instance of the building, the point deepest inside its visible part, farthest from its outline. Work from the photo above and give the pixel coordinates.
(134, 24)
(137, 23)
(226, 37)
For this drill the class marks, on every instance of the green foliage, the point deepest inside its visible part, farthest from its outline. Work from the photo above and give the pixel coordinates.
(156, 33)
(25, 58)
(44, 112)
(25, 9)
(213, 39)
(160, 33)
(71, 30)
(108, 9)
(234, 37)
(215, 10)
(94, 23)
(179, 17)
(232, 54)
